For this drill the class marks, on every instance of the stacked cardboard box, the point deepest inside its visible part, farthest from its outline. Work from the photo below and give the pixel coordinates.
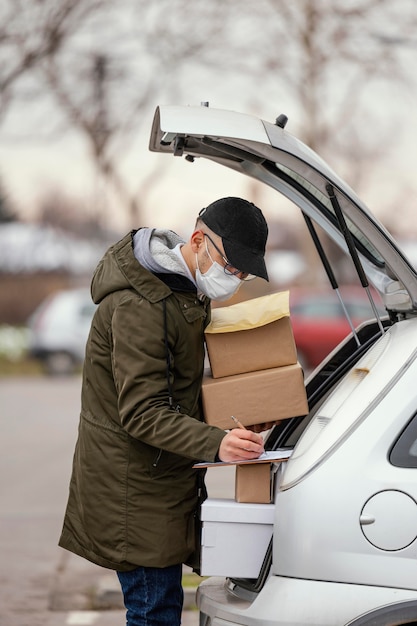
(253, 360)
(254, 483)
(254, 397)
(254, 373)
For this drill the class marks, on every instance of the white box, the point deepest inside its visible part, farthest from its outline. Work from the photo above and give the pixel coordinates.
(235, 537)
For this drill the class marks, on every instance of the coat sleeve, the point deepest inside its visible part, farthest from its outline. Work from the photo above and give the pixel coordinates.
(140, 375)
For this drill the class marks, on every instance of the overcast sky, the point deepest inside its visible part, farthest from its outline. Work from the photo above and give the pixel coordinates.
(30, 166)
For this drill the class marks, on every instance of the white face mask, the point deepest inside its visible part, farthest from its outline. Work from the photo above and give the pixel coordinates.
(215, 283)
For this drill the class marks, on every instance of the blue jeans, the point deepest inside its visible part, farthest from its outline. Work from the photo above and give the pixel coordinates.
(153, 596)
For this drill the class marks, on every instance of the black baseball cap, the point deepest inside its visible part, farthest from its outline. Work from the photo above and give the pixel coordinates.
(243, 230)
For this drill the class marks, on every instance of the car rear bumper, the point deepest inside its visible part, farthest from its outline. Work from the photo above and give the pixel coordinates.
(290, 601)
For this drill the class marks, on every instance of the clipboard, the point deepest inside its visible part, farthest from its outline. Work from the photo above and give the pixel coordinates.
(270, 456)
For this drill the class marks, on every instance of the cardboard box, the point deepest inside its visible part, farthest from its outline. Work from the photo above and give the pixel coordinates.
(234, 537)
(255, 397)
(253, 483)
(261, 348)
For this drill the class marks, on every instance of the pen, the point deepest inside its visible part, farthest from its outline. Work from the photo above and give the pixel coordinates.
(238, 424)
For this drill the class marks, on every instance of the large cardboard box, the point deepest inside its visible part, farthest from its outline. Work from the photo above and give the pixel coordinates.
(255, 397)
(251, 335)
(234, 537)
(254, 483)
(264, 347)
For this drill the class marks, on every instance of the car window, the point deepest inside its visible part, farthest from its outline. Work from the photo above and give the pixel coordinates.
(404, 451)
(359, 310)
(318, 309)
(325, 203)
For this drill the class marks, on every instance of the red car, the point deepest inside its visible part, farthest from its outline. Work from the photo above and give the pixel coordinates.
(319, 322)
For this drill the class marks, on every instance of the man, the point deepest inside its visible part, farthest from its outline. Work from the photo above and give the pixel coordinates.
(134, 494)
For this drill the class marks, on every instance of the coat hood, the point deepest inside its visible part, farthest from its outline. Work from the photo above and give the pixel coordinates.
(119, 269)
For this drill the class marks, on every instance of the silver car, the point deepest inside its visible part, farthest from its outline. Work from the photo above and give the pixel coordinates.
(58, 330)
(344, 531)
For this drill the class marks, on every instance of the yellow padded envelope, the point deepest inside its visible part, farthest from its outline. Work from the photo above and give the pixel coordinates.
(250, 313)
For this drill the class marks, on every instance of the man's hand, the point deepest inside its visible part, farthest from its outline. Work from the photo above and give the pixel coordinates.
(240, 445)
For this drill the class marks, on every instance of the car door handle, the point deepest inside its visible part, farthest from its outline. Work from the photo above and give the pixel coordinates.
(365, 520)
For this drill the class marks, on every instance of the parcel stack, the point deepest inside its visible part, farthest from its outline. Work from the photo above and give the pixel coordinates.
(254, 375)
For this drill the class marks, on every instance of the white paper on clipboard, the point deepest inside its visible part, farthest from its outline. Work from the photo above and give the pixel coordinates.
(270, 456)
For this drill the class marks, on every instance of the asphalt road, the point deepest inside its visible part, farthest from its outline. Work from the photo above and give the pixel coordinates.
(40, 584)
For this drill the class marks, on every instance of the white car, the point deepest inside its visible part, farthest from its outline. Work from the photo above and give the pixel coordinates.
(344, 539)
(58, 330)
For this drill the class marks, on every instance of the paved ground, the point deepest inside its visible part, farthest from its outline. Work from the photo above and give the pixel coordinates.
(85, 594)
(40, 584)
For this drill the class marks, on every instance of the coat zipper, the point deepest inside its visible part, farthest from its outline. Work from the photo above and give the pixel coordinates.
(158, 457)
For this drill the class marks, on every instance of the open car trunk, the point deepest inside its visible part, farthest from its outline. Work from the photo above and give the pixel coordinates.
(268, 153)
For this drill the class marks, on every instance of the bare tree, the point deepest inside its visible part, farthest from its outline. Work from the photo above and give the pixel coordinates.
(119, 77)
(7, 214)
(106, 64)
(66, 213)
(330, 56)
(335, 58)
(33, 31)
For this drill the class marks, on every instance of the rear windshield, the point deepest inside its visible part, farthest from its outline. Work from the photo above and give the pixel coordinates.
(322, 201)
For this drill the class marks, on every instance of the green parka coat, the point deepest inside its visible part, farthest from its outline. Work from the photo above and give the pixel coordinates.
(133, 492)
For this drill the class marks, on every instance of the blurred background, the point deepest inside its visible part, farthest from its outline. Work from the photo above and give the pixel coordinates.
(79, 84)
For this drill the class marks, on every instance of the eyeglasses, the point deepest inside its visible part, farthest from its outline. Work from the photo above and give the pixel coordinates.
(228, 267)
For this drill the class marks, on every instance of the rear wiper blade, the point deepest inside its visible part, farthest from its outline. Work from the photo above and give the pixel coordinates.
(352, 249)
